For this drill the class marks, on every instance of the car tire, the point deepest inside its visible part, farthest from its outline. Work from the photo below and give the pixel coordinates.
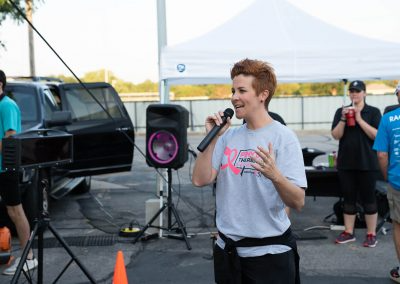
(84, 186)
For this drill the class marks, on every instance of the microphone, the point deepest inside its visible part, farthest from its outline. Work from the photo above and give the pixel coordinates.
(214, 131)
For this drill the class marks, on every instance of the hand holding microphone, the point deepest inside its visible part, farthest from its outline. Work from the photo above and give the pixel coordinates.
(214, 131)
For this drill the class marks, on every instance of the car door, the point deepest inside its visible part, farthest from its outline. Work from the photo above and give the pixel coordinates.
(103, 136)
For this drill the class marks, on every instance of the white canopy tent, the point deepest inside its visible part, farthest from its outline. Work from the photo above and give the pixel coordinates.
(300, 47)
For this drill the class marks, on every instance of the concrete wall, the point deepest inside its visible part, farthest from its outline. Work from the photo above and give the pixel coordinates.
(299, 113)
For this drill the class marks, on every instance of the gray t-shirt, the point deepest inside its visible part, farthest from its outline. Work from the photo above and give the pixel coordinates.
(247, 203)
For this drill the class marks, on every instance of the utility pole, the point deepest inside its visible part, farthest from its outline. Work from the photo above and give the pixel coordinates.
(29, 12)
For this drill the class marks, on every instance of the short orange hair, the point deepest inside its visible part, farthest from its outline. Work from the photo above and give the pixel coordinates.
(263, 73)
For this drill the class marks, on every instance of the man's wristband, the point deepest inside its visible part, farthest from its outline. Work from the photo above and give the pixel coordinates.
(343, 119)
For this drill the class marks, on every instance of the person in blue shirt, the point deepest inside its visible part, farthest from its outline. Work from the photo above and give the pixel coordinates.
(387, 145)
(393, 107)
(10, 124)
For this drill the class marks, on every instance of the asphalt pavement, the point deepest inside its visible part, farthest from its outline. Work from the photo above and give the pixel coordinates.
(90, 224)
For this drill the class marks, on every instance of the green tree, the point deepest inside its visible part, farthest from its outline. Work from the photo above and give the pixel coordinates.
(287, 89)
(67, 79)
(146, 86)
(189, 91)
(121, 86)
(7, 10)
(391, 83)
(220, 91)
(215, 91)
(99, 76)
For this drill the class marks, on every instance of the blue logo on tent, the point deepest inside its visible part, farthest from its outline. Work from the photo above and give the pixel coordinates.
(181, 67)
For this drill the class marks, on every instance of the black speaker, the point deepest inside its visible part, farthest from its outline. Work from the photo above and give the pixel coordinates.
(166, 135)
(37, 149)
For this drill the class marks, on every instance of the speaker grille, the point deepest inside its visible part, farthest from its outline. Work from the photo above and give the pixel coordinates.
(163, 147)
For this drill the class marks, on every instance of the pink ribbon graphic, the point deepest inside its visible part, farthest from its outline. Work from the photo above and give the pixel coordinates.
(228, 152)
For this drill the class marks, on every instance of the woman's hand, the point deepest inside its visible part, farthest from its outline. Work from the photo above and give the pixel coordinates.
(216, 119)
(344, 111)
(265, 162)
(290, 193)
(357, 114)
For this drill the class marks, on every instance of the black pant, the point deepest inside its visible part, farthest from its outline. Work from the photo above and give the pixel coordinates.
(9, 190)
(266, 269)
(358, 184)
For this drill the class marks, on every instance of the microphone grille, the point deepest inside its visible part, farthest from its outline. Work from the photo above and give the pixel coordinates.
(228, 112)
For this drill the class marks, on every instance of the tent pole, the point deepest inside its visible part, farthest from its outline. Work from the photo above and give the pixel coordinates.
(162, 89)
(162, 42)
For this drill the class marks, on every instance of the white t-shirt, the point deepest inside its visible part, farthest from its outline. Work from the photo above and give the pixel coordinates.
(247, 203)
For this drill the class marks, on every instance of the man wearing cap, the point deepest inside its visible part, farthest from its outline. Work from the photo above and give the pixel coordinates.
(393, 107)
(357, 163)
(387, 144)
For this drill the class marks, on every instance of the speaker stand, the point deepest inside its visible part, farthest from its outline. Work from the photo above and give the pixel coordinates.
(171, 210)
(41, 223)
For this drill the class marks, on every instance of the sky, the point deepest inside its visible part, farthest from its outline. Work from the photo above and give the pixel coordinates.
(121, 35)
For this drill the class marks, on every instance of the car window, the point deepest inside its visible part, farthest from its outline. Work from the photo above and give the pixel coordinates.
(52, 100)
(50, 104)
(56, 95)
(27, 101)
(84, 107)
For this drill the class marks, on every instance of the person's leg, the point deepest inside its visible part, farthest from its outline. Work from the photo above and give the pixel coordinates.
(396, 237)
(222, 275)
(367, 182)
(349, 221)
(395, 272)
(11, 196)
(21, 223)
(371, 221)
(348, 186)
(393, 197)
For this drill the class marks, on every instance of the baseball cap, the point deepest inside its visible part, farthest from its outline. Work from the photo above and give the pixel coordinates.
(397, 89)
(357, 85)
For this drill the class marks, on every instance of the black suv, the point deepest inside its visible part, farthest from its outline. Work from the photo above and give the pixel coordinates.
(103, 136)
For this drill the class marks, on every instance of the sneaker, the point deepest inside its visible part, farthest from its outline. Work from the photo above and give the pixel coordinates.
(30, 264)
(345, 237)
(370, 241)
(394, 274)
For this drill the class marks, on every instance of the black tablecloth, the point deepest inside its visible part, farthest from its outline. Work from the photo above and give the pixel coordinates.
(322, 181)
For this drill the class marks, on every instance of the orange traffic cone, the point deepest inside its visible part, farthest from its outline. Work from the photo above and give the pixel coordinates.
(119, 271)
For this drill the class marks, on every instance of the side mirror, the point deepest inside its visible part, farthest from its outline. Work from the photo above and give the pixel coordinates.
(59, 118)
